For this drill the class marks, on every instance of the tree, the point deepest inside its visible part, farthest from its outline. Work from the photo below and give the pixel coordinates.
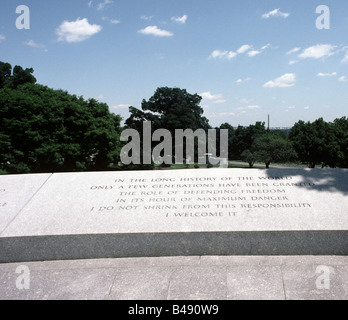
(170, 109)
(249, 157)
(316, 143)
(271, 147)
(340, 127)
(244, 138)
(46, 130)
(12, 79)
(231, 131)
(5, 74)
(21, 76)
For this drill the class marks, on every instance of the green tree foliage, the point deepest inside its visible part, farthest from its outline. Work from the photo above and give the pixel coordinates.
(46, 130)
(13, 79)
(171, 109)
(231, 132)
(341, 133)
(248, 157)
(5, 75)
(272, 147)
(244, 138)
(303, 138)
(320, 142)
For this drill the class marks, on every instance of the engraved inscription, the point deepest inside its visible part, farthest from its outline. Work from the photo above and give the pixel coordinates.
(202, 197)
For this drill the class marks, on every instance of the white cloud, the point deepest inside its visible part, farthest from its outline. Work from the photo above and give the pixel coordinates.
(215, 98)
(244, 48)
(155, 31)
(90, 4)
(209, 96)
(307, 107)
(333, 74)
(318, 51)
(291, 62)
(342, 79)
(2, 38)
(244, 100)
(292, 107)
(113, 21)
(268, 45)
(76, 31)
(231, 55)
(285, 81)
(221, 115)
(275, 13)
(218, 54)
(345, 59)
(293, 51)
(219, 101)
(182, 19)
(147, 18)
(255, 107)
(120, 106)
(103, 4)
(240, 81)
(253, 53)
(33, 44)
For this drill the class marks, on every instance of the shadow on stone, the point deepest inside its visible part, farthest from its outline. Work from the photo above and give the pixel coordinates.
(326, 180)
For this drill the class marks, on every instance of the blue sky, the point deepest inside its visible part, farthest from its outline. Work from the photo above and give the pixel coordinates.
(246, 58)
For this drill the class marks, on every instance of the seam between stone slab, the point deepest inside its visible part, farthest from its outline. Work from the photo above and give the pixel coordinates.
(283, 282)
(112, 285)
(35, 193)
(170, 281)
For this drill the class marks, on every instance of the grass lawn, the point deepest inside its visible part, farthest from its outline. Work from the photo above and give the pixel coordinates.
(231, 165)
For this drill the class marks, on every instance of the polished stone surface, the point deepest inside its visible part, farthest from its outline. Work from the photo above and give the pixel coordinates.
(181, 213)
(180, 278)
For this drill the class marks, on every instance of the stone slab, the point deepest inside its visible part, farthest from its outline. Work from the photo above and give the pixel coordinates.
(139, 283)
(15, 192)
(255, 283)
(182, 213)
(217, 277)
(205, 283)
(59, 284)
(301, 282)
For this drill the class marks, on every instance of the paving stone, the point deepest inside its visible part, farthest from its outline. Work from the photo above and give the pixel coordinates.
(141, 284)
(314, 282)
(255, 283)
(198, 283)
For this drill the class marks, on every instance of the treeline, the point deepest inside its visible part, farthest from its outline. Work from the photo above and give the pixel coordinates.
(46, 130)
(317, 143)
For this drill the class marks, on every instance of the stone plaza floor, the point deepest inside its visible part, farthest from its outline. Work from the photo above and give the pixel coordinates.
(179, 278)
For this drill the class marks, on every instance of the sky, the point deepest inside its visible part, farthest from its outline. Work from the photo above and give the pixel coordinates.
(247, 58)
